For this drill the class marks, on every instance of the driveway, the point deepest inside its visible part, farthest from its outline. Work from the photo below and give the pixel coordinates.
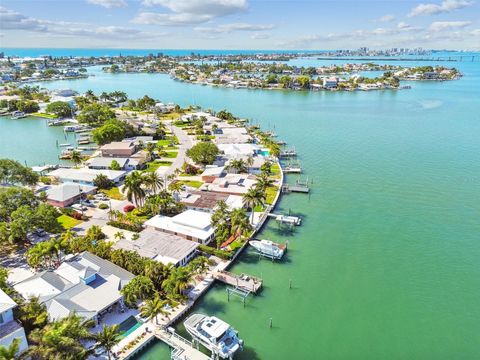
(185, 144)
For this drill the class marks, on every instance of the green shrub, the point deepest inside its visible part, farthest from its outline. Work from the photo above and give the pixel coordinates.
(124, 226)
(103, 206)
(225, 255)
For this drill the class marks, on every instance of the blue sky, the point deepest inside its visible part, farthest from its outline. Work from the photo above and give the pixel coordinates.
(240, 24)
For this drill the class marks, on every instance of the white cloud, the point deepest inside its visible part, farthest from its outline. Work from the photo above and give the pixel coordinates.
(445, 6)
(386, 18)
(109, 4)
(188, 12)
(475, 32)
(447, 25)
(12, 20)
(259, 36)
(227, 28)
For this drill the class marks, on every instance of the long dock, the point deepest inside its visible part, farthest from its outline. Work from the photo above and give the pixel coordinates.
(286, 188)
(244, 282)
(182, 349)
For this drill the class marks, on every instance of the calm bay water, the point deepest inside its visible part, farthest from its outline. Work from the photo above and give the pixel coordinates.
(385, 265)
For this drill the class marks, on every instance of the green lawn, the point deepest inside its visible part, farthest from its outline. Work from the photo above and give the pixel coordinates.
(276, 171)
(271, 192)
(154, 165)
(114, 193)
(170, 154)
(192, 183)
(44, 115)
(68, 222)
(166, 142)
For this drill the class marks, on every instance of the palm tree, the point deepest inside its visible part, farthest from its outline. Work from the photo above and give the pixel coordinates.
(32, 314)
(252, 198)
(238, 165)
(150, 149)
(119, 235)
(10, 352)
(249, 162)
(90, 95)
(178, 281)
(263, 181)
(76, 157)
(153, 308)
(104, 96)
(133, 185)
(108, 337)
(240, 223)
(175, 187)
(153, 181)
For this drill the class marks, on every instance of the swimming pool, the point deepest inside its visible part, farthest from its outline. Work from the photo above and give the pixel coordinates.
(128, 326)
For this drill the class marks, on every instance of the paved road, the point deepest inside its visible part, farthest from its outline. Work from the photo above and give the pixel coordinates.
(185, 144)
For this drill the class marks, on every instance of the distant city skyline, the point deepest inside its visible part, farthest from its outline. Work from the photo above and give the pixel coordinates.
(240, 24)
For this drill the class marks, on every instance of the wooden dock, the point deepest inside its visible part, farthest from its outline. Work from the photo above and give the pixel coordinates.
(182, 349)
(286, 219)
(244, 282)
(287, 188)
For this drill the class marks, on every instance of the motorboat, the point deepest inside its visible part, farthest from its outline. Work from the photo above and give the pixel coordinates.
(215, 334)
(269, 248)
(18, 115)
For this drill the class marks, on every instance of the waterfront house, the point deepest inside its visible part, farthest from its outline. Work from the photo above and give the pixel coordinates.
(86, 176)
(10, 328)
(160, 246)
(64, 195)
(212, 172)
(123, 149)
(191, 224)
(233, 184)
(85, 284)
(239, 149)
(207, 201)
(104, 163)
(330, 83)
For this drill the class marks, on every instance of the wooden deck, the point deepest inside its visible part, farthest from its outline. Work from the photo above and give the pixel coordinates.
(245, 282)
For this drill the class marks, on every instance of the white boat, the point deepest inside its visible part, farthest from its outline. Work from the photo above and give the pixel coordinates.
(18, 115)
(64, 145)
(215, 334)
(269, 248)
(71, 128)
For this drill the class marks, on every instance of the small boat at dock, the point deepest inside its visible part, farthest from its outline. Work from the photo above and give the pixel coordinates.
(64, 145)
(215, 334)
(18, 115)
(268, 248)
(72, 128)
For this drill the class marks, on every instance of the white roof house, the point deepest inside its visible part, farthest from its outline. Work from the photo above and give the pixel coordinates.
(238, 149)
(160, 246)
(66, 194)
(84, 284)
(9, 328)
(234, 184)
(191, 224)
(86, 176)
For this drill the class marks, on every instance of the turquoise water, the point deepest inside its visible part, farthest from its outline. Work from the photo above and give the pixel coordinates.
(385, 265)
(128, 326)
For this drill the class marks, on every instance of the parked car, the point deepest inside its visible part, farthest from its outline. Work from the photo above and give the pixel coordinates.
(79, 207)
(101, 196)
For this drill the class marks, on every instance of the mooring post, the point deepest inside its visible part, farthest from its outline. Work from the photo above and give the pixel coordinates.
(271, 323)
(290, 284)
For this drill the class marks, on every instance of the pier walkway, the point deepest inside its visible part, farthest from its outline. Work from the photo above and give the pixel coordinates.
(182, 349)
(245, 282)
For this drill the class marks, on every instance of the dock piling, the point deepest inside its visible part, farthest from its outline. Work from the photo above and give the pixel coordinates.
(271, 323)
(290, 284)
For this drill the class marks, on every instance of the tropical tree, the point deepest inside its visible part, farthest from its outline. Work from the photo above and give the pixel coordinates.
(107, 338)
(264, 181)
(61, 339)
(76, 157)
(139, 288)
(133, 185)
(153, 181)
(32, 314)
(199, 265)
(119, 235)
(203, 153)
(177, 282)
(10, 352)
(150, 149)
(101, 181)
(239, 222)
(252, 198)
(239, 166)
(154, 307)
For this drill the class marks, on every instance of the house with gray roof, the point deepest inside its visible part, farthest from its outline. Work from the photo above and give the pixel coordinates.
(64, 195)
(10, 329)
(163, 247)
(85, 284)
